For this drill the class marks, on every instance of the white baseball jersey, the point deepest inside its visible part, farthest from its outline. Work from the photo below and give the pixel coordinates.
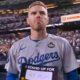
(51, 51)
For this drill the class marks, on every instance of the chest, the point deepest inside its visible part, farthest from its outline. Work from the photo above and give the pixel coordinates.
(40, 54)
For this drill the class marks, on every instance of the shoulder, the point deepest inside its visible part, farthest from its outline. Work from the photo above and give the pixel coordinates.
(20, 43)
(60, 41)
(58, 38)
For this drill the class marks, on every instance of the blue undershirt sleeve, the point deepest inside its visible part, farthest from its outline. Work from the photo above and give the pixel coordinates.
(11, 76)
(73, 75)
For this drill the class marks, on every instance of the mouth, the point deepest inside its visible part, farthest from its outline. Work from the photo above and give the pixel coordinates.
(39, 21)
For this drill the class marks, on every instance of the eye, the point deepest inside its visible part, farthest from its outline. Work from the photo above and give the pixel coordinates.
(33, 13)
(42, 12)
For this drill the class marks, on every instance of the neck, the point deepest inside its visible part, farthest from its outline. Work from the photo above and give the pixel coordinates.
(38, 35)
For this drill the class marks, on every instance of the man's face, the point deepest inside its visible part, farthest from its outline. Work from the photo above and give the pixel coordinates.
(37, 17)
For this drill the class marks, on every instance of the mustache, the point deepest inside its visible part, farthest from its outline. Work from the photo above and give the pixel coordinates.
(41, 19)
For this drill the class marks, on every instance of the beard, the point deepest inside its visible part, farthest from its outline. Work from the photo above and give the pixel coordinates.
(39, 27)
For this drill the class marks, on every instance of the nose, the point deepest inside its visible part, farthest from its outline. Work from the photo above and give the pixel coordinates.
(38, 15)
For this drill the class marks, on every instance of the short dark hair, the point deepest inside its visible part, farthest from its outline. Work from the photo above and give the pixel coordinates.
(37, 3)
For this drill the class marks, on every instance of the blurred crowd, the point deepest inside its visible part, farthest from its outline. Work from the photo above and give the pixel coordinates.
(74, 39)
(6, 40)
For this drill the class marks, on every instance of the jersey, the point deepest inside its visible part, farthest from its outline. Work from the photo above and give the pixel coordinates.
(51, 51)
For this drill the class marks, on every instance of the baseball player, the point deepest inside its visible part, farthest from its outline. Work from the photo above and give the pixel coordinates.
(41, 48)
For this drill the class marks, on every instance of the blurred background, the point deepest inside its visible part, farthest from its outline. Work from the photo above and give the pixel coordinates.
(64, 20)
